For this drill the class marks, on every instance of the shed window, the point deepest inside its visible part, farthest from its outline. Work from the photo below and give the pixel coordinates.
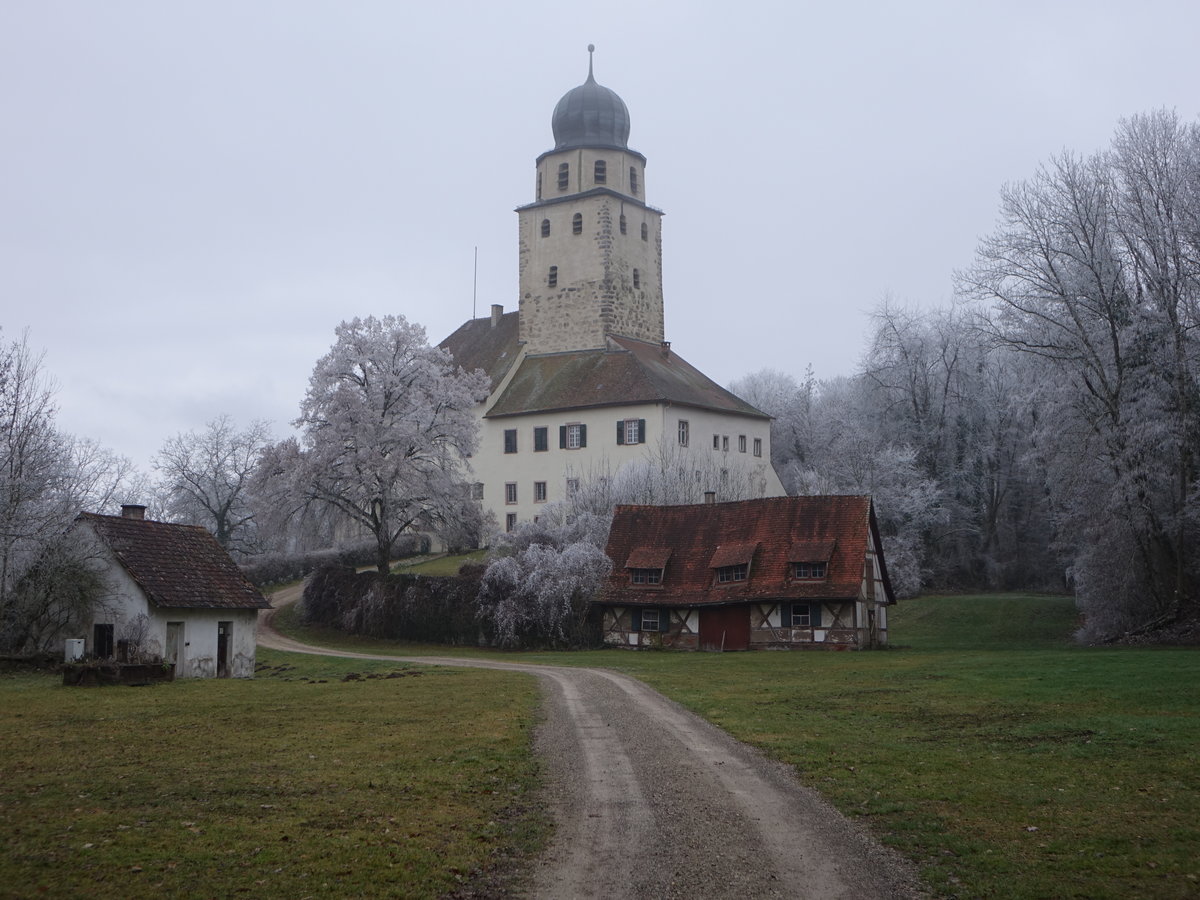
(650, 619)
(601, 173)
(564, 175)
(645, 232)
(577, 223)
(552, 277)
(633, 185)
(758, 446)
(683, 432)
(801, 615)
(545, 228)
(741, 443)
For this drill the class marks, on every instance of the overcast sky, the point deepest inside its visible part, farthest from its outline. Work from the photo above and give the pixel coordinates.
(194, 194)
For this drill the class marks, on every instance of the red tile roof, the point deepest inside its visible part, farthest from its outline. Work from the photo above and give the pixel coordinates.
(176, 566)
(702, 537)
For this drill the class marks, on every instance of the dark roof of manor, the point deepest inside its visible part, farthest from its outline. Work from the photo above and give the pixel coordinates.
(480, 344)
(768, 533)
(628, 371)
(176, 566)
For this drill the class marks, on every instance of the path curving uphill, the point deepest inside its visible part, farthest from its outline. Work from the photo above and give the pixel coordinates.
(652, 801)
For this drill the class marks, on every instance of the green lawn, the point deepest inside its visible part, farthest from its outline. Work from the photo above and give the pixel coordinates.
(1002, 758)
(403, 781)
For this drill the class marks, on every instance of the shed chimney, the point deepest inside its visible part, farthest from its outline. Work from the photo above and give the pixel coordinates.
(710, 496)
(666, 348)
(133, 511)
(497, 312)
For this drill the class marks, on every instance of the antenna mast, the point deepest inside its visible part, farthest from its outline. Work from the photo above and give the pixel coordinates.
(475, 282)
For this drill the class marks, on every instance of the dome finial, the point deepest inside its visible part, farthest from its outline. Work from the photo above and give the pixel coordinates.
(591, 50)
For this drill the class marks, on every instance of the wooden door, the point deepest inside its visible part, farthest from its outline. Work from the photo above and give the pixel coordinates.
(725, 628)
(174, 647)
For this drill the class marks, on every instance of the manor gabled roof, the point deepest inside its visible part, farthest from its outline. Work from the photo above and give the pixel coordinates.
(627, 372)
(768, 535)
(176, 566)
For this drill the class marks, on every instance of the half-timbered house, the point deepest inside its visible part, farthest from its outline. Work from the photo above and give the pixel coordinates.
(776, 572)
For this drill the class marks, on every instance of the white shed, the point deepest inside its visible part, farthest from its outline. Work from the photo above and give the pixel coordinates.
(173, 593)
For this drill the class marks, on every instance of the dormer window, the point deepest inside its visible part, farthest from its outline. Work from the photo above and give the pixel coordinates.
(732, 562)
(545, 228)
(600, 176)
(809, 560)
(728, 574)
(564, 175)
(645, 576)
(646, 565)
(577, 223)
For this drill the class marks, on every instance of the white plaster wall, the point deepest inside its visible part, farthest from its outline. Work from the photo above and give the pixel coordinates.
(603, 456)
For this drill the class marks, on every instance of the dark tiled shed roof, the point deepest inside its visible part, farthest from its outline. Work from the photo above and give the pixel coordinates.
(629, 371)
(773, 527)
(176, 566)
(478, 344)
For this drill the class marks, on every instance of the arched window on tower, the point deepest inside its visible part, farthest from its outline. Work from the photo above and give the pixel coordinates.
(622, 223)
(552, 278)
(545, 228)
(564, 176)
(601, 174)
(645, 232)
(633, 185)
(637, 279)
(577, 223)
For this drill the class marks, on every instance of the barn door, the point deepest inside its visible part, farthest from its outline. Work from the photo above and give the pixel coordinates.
(725, 628)
(224, 642)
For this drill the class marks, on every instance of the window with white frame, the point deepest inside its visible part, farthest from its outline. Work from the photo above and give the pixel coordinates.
(730, 574)
(631, 431)
(651, 620)
(809, 571)
(572, 436)
(645, 576)
(801, 615)
(758, 446)
(725, 442)
(683, 432)
(510, 492)
(741, 443)
(539, 492)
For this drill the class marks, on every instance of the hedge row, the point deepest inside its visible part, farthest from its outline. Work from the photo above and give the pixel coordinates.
(279, 568)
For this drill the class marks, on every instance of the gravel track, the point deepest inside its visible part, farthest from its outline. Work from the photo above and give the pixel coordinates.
(650, 800)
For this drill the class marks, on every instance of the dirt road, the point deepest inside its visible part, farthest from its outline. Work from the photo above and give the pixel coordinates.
(652, 801)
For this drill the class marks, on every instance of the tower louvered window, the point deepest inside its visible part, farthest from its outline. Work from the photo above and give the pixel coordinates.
(552, 278)
(637, 279)
(601, 173)
(645, 232)
(622, 223)
(545, 228)
(633, 181)
(564, 175)
(577, 223)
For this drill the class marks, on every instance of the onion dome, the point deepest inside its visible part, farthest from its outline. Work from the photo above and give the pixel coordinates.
(590, 115)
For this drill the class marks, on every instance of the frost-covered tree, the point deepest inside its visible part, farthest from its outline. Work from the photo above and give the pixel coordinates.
(207, 476)
(385, 426)
(1095, 278)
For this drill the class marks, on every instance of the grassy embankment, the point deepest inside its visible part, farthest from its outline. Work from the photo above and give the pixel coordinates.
(406, 781)
(1004, 760)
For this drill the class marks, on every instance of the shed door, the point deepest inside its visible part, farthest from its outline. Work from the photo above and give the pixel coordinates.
(725, 628)
(174, 648)
(224, 644)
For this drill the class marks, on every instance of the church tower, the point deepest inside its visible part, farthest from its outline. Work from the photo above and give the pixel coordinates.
(590, 247)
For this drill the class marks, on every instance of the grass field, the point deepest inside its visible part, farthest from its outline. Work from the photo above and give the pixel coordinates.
(402, 781)
(1003, 759)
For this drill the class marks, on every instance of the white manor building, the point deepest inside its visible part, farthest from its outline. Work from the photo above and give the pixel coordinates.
(583, 381)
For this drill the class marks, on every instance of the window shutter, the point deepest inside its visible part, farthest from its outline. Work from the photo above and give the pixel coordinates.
(814, 614)
(664, 620)
(582, 435)
(635, 619)
(562, 437)
(785, 615)
(620, 432)
(641, 431)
